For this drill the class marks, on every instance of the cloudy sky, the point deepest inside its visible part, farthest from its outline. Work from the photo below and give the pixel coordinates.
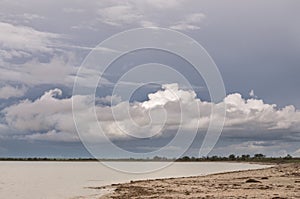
(255, 45)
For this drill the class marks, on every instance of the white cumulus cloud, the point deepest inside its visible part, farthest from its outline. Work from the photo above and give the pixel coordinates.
(166, 109)
(9, 91)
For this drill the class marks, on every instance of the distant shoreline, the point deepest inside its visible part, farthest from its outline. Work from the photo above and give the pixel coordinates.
(265, 160)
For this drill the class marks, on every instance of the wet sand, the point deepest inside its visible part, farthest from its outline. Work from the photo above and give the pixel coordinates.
(280, 181)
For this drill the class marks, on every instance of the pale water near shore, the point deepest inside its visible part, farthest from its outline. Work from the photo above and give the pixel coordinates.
(52, 180)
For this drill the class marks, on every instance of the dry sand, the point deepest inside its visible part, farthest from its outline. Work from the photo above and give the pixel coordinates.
(281, 181)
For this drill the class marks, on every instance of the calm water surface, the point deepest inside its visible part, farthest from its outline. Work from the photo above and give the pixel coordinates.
(55, 180)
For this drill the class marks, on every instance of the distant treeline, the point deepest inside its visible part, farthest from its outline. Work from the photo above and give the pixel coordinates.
(46, 159)
(246, 158)
(242, 158)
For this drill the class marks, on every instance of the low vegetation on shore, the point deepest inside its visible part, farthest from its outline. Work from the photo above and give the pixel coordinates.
(240, 158)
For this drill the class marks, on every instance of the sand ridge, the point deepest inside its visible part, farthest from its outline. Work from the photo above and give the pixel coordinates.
(280, 181)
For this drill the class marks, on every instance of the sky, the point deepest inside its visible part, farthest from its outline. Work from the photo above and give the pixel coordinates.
(146, 97)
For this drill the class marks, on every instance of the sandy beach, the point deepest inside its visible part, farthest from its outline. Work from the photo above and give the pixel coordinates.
(280, 181)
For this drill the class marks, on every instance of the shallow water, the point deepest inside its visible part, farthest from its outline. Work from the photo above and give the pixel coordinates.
(35, 180)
